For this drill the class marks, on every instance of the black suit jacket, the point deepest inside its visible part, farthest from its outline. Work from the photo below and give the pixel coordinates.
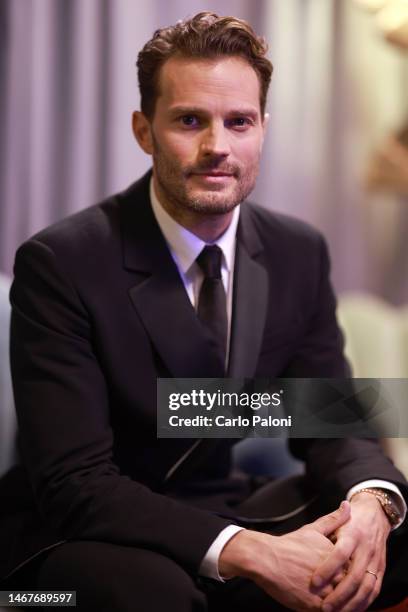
(99, 312)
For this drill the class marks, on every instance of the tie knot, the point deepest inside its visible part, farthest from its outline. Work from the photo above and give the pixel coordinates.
(209, 261)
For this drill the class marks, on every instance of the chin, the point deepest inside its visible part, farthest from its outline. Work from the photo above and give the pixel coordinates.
(212, 207)
(213, 201)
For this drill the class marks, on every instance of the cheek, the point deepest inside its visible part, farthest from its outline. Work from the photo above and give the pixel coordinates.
(248, 153)
(180, 148)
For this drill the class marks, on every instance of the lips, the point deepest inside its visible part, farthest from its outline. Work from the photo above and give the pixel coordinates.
(213, 174)
(215, 178)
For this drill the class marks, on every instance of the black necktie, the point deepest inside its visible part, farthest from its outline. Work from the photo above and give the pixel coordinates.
(212, 301)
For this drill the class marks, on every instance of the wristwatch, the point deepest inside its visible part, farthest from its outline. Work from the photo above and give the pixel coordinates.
(387, 503)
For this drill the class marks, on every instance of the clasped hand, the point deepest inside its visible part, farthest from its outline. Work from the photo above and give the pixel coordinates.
(356, 565)
(321, 566)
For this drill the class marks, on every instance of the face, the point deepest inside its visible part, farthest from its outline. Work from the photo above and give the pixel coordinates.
(206, 135)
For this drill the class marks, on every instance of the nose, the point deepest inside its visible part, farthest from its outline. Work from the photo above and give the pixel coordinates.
(215, 141)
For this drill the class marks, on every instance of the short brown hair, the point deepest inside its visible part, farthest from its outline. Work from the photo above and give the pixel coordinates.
(206, 35)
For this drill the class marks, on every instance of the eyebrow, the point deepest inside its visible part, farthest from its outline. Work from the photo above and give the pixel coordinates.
(196, 110)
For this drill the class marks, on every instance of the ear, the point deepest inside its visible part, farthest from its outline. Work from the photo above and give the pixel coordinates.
(265, 122)
(142, 131)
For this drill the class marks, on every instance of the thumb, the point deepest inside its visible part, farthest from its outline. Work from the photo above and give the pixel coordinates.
(328, 523)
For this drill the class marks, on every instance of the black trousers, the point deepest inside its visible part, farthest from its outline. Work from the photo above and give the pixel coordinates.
(113, 578)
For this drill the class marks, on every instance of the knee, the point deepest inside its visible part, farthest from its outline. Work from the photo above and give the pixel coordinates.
(108, 577)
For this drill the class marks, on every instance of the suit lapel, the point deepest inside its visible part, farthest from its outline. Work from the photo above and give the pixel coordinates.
(159, 296)
(250, 300)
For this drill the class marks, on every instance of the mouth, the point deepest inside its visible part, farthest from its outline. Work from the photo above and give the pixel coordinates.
(213, 175)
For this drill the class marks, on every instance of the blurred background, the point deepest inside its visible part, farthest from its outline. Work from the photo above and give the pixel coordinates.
(340, 88)
(336, 153)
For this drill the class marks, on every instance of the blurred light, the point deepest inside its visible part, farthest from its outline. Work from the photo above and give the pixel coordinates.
(393, 21)
(399, 36)
(394, 15)
(372, 5)
(391, 18)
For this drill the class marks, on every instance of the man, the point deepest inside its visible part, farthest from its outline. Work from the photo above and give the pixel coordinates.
(173, 278)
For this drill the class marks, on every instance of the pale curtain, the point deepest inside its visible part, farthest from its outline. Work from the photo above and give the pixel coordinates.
(68, 86)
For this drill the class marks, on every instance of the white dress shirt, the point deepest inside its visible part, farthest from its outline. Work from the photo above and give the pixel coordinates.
(185, 247)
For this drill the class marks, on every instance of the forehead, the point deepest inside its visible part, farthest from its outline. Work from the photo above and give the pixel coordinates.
(208, 82)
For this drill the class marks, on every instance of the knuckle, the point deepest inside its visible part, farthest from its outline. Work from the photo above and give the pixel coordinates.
(354, 583)
(313, 604)
(342, 548)
(340, 603)
(339, 598)
(365, 591)
(325, 592)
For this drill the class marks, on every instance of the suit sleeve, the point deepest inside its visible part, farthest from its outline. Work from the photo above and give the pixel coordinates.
(333, 465)
(65, 435)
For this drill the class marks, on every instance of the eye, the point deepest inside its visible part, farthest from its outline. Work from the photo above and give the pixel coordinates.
(240, 123)
(189, 120)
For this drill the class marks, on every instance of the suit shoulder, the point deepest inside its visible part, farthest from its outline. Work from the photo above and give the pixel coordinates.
(97, 222)
(96, 229)
(81, 246)
(88, 244)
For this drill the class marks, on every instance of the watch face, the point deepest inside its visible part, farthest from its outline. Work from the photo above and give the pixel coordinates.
(389, 507)
(392, 513)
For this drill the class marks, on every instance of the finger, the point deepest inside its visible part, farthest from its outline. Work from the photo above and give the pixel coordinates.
(354, 607)
(356, 588)
(376, 590)
(366, 572)
(325, 592)
(339, 577)
(335, 562)
(380, 576)
(328, 588)
(368, 591)
(309, 600)
(328, 523)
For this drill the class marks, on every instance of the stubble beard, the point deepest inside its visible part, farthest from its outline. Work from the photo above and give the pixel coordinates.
(173, 183)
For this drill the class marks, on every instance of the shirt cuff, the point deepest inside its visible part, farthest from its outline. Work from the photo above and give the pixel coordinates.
(390, 487)
(209, 565)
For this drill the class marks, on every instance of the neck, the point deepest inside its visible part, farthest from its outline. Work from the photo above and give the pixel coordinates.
(206, 226)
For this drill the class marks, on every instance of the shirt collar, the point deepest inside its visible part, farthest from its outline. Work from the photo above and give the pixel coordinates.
(186, 246)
